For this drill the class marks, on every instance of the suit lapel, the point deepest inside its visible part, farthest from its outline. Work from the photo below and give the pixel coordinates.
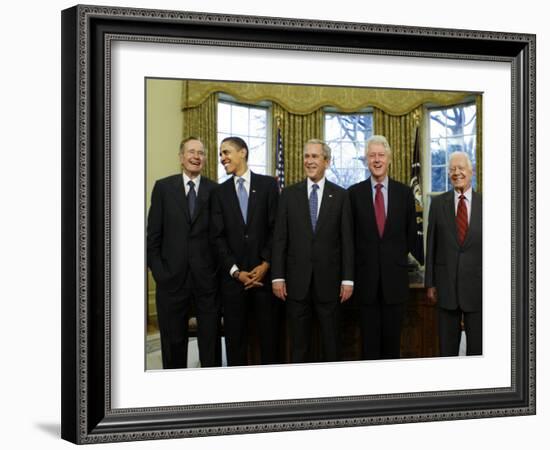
(252, 197)
(232, 199)
(179, 192)
(326, 204)
(392, 207)
(473, 217)
(303, 205)
(202, 198)
(449, 213)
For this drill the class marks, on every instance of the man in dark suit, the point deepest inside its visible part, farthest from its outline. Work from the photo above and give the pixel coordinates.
(243, 217)
(385, 230)
(182, 259)
(453, 260)
(313, 254)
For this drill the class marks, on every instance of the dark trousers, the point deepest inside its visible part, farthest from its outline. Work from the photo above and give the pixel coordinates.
(238, 309)
(380, 325)
(300, 317)
(450, 331)
(173, 308)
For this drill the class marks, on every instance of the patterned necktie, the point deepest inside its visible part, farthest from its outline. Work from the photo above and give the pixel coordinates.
(379, 210)
(461, 220)
(191, 198)
(313, 202)
(243, 198)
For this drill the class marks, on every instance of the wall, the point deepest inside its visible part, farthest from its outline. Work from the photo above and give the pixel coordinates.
(30, 224)
(164, 131)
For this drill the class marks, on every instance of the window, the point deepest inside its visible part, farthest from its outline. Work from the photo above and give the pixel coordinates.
(451, 129)
(250, 124)
(346, 134)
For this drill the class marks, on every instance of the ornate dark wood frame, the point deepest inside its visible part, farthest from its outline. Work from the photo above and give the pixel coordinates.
(87, 34)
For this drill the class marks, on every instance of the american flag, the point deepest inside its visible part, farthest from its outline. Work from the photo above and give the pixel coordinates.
(418, 252)
(280, 173)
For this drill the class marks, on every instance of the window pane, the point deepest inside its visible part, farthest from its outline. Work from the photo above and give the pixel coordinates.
(346, 135)
(248, 123)
(258, 122)
(332, 128)
(224, 117)
(470, 120)
(438, 125)
(239, 122)
(257, 148)
(439, 179)
(438, 152)
(451, 129)
(258, 169)
(455, 145)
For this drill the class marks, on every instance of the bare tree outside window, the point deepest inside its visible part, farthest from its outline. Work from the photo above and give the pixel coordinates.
(451, 129)
(346, 134)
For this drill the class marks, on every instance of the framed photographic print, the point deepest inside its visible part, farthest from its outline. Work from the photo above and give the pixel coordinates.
(130, 79)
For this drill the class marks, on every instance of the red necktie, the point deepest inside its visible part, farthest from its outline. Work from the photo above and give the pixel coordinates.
(379, 209)
(461, 220)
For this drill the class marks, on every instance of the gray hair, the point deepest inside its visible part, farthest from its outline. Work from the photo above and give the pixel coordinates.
(188, 139)
(327, 152)
(460, 153)
(378, 139)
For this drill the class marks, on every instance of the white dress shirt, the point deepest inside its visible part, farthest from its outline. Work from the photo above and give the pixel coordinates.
(196, 180)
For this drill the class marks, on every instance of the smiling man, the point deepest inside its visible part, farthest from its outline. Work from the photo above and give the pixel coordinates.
(182, 260)
(243, 217)
(313, 254)
(454, 260)
(385, 231)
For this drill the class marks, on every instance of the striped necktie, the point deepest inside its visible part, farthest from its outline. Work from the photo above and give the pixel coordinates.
(461, 220)
(313, 203)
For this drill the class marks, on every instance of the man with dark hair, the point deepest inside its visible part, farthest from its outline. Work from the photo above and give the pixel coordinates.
(182, 259)
(243, 218)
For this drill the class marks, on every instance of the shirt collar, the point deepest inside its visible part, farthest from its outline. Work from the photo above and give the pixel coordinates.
(196, 180)
(384, 183)
(246, 176)
(467, 194)
(320, 183)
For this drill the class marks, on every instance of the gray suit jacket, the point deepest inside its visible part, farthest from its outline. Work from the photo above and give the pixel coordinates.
(456, 271)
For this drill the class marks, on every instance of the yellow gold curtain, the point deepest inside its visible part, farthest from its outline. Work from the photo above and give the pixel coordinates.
(201, 121)
(306, 99)
(296, 130)
(400, 132)
(479, 142)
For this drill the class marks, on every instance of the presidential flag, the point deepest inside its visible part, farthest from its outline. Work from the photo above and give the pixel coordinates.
(280, 172)
(418, 251)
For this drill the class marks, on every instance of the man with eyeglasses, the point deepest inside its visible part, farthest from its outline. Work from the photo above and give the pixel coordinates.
(182, 259)
(454, 260)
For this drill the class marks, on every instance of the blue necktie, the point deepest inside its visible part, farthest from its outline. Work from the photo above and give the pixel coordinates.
(243, 198)
(191, 198)
(313, 202)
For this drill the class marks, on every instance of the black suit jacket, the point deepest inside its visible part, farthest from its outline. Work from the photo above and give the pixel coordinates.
(177, 242)
(382, 261)
(245, 245)
(453, 269)
(327, 253)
